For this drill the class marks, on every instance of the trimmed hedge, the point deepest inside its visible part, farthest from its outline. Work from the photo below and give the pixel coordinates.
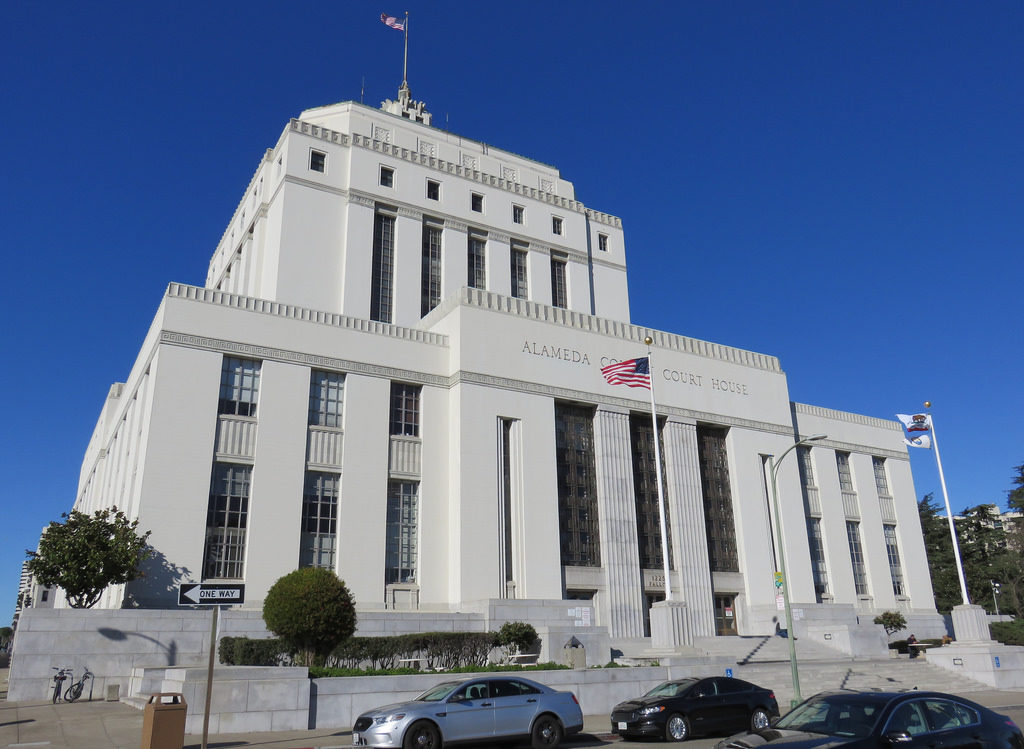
(1008, 633)
(445, 651)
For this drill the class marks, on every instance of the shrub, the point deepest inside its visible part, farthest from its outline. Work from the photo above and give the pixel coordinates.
(1008, 633)
(516, 637)
(242, 651)
(312, 611)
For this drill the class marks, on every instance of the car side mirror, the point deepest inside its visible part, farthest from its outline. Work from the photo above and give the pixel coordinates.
(898, 737)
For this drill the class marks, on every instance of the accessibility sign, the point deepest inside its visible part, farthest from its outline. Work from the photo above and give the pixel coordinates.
(210, 594)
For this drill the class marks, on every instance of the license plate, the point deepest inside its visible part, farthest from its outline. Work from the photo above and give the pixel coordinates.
(622, 726)
(357, 740)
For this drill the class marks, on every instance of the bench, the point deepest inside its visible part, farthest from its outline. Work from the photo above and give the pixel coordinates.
(411, 663)
(523, 658)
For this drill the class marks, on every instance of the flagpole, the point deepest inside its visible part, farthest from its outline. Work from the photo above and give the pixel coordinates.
(405, 60)
(657, 466)
(949, 511)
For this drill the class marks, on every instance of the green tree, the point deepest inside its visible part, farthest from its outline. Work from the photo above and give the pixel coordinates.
(86, 553)
(892, 621)
(312, 611)
(939, 548)
(516, 637)
(6, 633)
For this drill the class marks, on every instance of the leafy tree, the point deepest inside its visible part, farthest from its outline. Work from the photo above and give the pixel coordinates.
(892, 621)
(86, 553)
(939, 549)
(6, 633)
(312, 611)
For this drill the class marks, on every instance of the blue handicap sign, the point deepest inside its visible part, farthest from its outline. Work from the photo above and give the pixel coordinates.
(997, 661)
(728, 671)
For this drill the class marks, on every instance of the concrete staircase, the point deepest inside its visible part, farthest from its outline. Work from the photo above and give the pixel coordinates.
(765, 661)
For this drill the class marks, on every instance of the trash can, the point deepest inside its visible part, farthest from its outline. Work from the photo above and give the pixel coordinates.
(574, 655)
(163, 721)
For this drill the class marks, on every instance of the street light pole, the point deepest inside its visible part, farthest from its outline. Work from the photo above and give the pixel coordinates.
(995, 594)
(773, 467)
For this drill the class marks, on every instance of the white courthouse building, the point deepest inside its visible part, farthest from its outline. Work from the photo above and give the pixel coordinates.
(393, 371)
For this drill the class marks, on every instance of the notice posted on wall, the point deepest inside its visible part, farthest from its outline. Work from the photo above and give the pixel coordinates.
(582, 616)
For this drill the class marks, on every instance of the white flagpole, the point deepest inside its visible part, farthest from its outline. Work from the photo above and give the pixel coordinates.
(405, 60)
(949, 511)
(657, 466)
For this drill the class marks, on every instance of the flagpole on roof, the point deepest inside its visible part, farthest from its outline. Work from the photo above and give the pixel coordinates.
(657, 466)
(949, 511)
(405, 61)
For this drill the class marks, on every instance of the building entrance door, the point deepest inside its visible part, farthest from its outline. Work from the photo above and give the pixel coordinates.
(725, 614)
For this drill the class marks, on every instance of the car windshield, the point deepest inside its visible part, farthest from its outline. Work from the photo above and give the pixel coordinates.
(671, 688)
(438, 693)
(848, 716)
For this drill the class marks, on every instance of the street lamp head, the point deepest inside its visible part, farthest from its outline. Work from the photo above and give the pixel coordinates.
(813, 438)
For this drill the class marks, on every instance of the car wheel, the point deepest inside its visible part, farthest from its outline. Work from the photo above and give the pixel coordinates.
(422, 735)
(759, 720)
(546, 733)
(677, 728)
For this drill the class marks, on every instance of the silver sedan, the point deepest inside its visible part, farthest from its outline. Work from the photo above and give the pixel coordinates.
(482, 708)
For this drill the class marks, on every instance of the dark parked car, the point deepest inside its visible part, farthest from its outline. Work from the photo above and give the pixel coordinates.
(863, 720)
(473, 710)
(678, 709)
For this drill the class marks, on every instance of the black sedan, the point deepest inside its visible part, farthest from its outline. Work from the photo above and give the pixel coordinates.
(863, 720)
(680, 708)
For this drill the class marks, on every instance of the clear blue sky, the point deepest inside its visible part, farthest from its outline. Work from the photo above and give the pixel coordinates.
(839, 184)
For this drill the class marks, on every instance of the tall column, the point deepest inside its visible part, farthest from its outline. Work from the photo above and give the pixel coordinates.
(620, 553)
(688, 533)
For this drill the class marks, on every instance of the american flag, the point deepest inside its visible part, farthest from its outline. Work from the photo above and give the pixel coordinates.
(633, 372)
(392, 22)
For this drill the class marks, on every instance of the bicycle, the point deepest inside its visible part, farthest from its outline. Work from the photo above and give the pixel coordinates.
(75, 690)
(62, 675)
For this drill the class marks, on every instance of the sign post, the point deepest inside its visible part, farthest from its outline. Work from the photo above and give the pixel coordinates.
(215, 595)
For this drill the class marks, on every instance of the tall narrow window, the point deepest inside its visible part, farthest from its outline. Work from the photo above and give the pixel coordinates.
(645, 484)
(317, 544)
(860, 574)
(430, 279)
(556, 225)
(239, 386)
(227, 517)
(602, 242)
(326, 393)
(476, 202)
(819, 569)
(518, 257)
(508, 470)
(881, 481)
(559, 298)
(577, 486)
(803, 454)
(433, 190)
(387, 176)
(518, 212)
(892, 551)
(718, 513)
(845, 475)
(476, 263)
(401, 531)
(383, 267)
(405, 409)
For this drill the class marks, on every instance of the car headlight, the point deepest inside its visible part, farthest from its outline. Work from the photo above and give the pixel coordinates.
(651, 710)
(381, 719)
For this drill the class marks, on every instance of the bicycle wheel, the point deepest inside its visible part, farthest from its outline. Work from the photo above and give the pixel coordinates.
(73, 693)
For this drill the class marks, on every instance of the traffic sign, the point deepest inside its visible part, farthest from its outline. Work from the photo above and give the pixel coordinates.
(778, 579)
(210, 594)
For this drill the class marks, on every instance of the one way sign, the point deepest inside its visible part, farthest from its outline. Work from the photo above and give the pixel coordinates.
(210, 594)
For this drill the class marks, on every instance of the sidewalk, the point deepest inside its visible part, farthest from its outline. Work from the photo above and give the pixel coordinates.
(112, 725)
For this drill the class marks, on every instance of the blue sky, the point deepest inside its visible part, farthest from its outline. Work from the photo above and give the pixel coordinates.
(839, 184)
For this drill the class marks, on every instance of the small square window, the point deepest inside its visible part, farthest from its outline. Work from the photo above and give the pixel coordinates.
(556, 225)
(387, 177)
(517, 214)
(433, 190)
(602, 242)
(317, 161)
(477, 202)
